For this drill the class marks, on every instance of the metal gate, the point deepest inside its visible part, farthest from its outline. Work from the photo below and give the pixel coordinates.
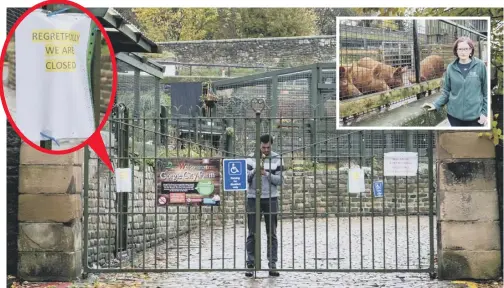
(321, 224)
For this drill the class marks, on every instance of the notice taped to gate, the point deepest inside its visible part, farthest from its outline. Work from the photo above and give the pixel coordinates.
(190, 181)
(400, 164)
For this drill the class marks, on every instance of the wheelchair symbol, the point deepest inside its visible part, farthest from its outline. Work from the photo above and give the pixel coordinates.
(234, 169)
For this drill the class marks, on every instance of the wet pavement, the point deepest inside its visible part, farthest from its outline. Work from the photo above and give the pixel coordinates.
(328, 243)
(324, 243)
(303, 244)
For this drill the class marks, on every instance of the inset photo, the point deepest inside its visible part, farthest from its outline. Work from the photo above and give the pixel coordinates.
(413, 73)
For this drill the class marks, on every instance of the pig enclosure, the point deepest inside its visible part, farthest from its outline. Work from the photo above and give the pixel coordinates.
(387, 62)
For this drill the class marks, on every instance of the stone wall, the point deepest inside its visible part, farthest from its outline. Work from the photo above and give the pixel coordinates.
(276, 52)
(322, 195)
(154, 227)
(13, 145)
(10, 58)
(468, 222)
(105, 82)
(49, 215)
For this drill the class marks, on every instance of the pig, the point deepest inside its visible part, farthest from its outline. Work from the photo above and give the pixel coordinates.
(346, 87)
(431, 67)
(391, 75)
(366, 82)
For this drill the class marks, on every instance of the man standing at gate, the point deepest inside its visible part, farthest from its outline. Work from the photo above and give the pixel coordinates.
(270, 171)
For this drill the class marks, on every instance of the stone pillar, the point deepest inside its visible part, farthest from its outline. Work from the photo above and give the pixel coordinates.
(468, 215)
(50, 212)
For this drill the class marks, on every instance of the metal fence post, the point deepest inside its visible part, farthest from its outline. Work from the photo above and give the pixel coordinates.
(157, 100)
(479, 47)
(136, 103)
(163, 125)
(431, 201)
(85, 197)
(315, 109)
(416, 51)
(96, 74)
(258, 156)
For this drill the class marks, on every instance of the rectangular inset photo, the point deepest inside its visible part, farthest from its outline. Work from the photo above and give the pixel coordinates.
(423, 73)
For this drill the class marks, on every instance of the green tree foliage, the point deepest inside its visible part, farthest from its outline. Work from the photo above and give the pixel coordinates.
(326, 18)
(169, 24)
(382, 11)
(277, 22)
(165, 24)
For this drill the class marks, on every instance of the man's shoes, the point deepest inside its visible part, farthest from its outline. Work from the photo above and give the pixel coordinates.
(273, 271)
(249, 273)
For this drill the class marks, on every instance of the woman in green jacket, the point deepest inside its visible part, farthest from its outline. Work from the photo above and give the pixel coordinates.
(464, 90)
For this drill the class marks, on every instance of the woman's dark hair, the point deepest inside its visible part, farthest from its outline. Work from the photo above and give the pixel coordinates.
(463, 39)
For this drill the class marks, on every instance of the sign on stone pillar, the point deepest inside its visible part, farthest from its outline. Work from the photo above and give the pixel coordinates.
(468, 215)
(50, 212)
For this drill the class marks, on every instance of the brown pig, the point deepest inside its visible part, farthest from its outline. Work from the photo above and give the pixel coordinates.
(365, 81)
(346, 87)
(391, 75)
(431, 67)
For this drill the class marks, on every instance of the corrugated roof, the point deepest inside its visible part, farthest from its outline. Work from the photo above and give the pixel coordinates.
(125, 37)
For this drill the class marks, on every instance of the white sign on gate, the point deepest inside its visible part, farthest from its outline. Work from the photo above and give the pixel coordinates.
(400, 164)
(356, 182)
(53, 97)
(123, 180)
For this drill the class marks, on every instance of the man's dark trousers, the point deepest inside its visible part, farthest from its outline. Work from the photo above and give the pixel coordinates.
(270, 211)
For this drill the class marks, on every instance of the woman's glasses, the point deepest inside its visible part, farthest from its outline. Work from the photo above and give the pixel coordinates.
(464, 49)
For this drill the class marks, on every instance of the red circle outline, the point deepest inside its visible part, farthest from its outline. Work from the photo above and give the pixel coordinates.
(114, 77)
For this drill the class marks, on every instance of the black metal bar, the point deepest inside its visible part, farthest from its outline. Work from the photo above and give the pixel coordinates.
(259, 167)
(479, 47)
(431, 201)
(96, 75)
(85, 265)
(416, 51)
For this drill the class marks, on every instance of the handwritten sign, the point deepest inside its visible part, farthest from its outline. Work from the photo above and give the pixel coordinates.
(57, 103)
(356, 180)
(400, 164)
(123, 180)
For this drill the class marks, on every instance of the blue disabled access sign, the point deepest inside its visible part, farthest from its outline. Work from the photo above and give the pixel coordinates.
(235, 174)
(378, 188)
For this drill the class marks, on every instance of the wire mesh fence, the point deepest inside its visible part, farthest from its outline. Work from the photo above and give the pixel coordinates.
(380, 55)
(139, 106)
